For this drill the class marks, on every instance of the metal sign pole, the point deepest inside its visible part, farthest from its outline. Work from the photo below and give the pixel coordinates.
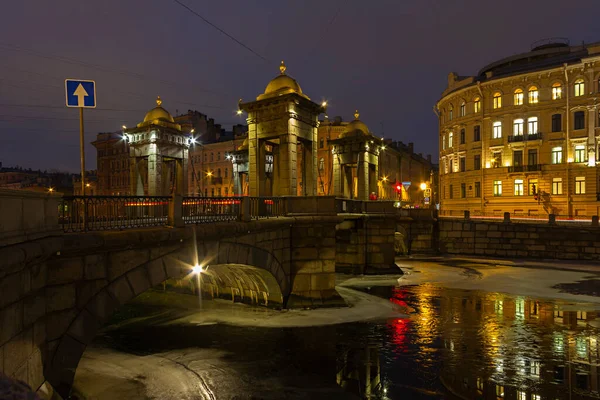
(82, 151)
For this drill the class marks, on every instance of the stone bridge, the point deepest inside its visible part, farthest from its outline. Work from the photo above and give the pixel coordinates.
(57, 289)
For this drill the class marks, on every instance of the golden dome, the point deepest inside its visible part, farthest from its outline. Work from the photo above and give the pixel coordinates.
(158, 113)
(356, 128)
(281, 84)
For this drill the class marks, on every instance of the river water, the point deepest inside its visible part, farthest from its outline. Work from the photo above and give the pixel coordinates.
(438, 343)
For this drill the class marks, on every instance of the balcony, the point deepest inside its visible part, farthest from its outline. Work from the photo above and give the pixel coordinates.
(523, 138)
(525, 168)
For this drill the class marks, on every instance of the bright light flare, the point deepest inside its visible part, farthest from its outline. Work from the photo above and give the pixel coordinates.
(423, 186)
(239, 112)
(324, 103)
(197, 269)
(124, 127)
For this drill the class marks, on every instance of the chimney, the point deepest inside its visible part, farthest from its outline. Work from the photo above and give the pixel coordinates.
(411, 147)
(429, 158)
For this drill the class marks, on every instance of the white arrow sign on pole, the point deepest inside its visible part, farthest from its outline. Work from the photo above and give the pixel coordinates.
(81, 94)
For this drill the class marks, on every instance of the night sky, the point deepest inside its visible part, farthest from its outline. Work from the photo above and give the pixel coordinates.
(390, 59)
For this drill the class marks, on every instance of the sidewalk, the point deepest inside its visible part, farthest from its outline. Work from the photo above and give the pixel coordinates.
(562, 265)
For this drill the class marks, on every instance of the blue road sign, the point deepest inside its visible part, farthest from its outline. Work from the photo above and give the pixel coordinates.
(80, 93)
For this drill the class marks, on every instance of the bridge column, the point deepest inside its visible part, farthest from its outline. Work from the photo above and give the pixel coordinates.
(286, 183)
(313, 264)
(136, 184)
(155, 174)
(337, 177)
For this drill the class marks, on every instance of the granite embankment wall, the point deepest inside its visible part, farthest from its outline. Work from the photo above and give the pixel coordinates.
(519, 240)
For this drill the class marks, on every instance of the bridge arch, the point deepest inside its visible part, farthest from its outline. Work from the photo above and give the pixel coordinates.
(60, 368)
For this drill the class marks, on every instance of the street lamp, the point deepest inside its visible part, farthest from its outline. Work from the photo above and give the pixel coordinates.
(423, 186)
(50, 190)
(87, 185)
(197, 269)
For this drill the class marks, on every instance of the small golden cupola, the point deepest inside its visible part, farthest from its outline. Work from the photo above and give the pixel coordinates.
(282, 84)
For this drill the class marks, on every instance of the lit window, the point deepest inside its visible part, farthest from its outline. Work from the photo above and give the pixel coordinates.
(450, 139)
(497, 159)
(477, 105)
(321, 164)
(518, 187)
(497, 188)
(518, 127)
(533, 95)
(463, 109)
(497, 131)
(499, 391)
(497, 100)
(536, 396)
(521, 395)
(480, 385)
(518, 97)
(556, 155)
(580, 185)
(556, 91)
(557, 186)
(450, 112)
(579, 87)
(532, 125)
(443, 142)
(535, 368)
(580, 153)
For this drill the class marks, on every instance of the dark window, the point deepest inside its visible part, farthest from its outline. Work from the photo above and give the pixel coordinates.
(451, 194)
(321, 143)
(518, 158)
(579, 122)
(556, 122)
(477, 133)
(477, 189)
(477, 162)
(532, 157)
(462, 136)
(463, 190)
(462, 164)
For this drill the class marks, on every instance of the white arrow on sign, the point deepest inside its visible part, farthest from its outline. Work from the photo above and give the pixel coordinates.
(81, 94)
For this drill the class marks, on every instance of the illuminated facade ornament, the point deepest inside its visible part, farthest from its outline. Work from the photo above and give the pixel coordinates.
(158, 101)
(282, 68)
(356, 114)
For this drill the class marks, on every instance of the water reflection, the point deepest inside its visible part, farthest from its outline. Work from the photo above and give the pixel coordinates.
(455, 344)
(498, 346)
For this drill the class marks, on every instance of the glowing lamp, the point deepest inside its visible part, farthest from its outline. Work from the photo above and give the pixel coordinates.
(197, 269)
(423, 186)
(124, 127)
(239, 112)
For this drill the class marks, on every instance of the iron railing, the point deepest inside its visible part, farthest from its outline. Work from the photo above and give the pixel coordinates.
(266, 207)
(199, 210)
(525, 168)
(524, 137)
(349, 206)
(97, 213)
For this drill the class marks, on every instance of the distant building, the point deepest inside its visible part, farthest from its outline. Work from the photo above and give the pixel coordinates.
(17, 178)
(521, 136)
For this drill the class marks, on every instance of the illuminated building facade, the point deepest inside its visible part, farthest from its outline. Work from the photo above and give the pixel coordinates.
(397, 163)
(522, 135)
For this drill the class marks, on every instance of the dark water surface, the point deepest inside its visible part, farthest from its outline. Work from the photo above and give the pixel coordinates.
(455, 344)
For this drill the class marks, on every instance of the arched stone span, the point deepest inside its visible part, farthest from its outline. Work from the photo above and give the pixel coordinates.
(60, 369)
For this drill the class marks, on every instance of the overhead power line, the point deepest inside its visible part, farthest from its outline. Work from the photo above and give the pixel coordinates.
(12, 47)
(221, 30)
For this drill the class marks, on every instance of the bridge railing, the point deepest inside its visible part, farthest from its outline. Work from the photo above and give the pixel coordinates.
(96, 213)
(266, 207)
(198, 210)
(349, 206)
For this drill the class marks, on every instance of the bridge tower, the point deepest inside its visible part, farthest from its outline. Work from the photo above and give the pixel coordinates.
(282, 140)
(356, 161)
(158, 155)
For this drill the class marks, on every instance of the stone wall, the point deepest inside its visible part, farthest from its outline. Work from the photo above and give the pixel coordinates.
(365, 245)
(27, 216)
(519, 240)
